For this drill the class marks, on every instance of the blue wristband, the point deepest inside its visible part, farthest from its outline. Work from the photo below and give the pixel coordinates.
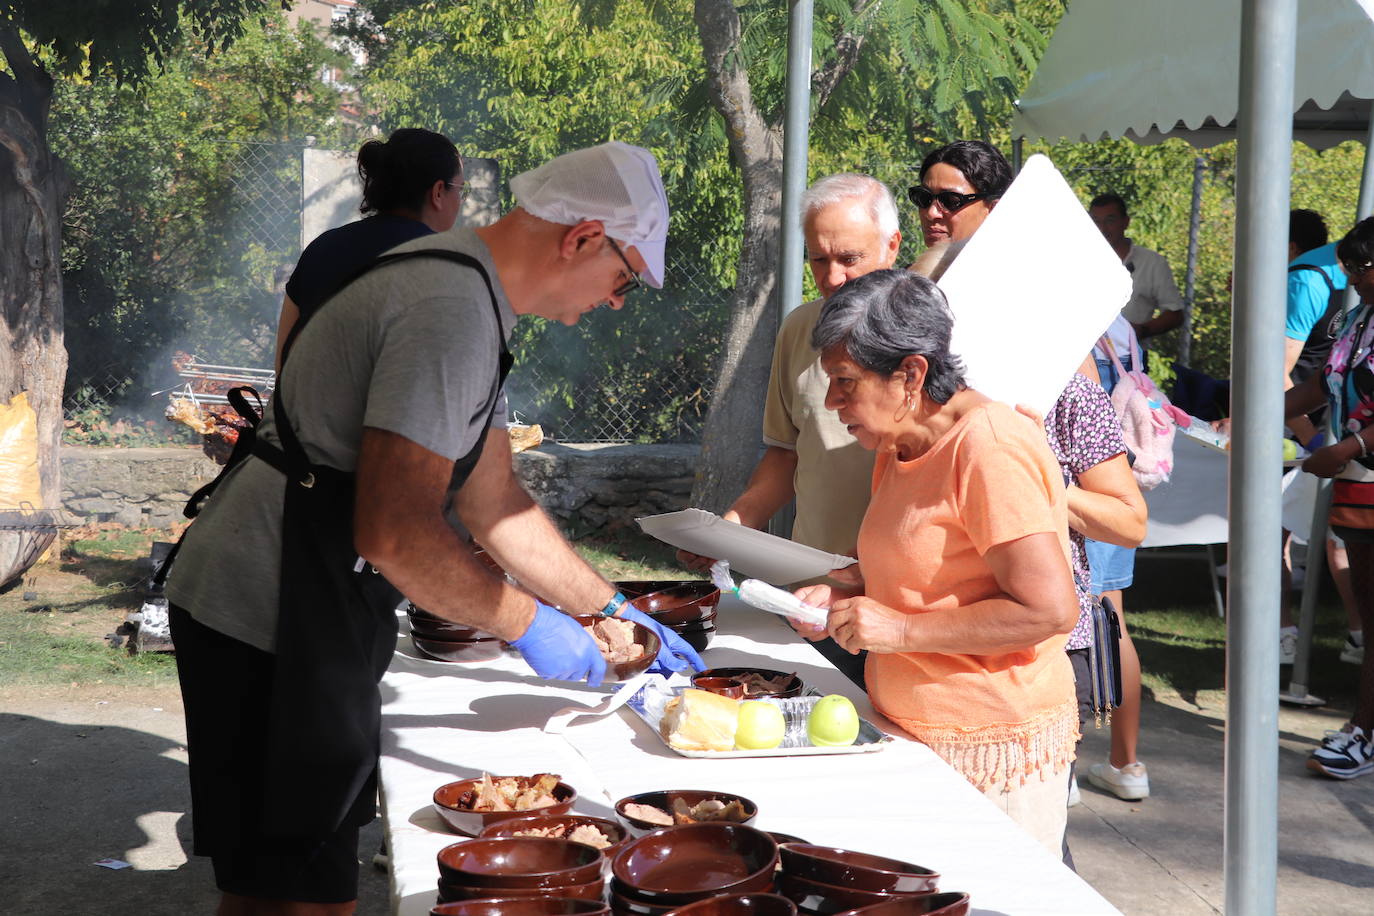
(614, 605)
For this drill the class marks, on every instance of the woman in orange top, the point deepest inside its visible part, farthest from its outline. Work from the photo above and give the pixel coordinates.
(964, 597)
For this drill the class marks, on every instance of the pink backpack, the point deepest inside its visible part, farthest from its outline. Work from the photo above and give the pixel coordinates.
(1148, 420)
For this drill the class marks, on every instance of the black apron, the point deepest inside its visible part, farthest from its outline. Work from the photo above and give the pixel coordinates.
(336, 623)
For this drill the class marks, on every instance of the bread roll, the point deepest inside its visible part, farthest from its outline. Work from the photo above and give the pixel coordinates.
(700, 721)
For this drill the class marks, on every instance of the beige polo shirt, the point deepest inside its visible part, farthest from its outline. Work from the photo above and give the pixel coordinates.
(1152, 285)
(834, 473)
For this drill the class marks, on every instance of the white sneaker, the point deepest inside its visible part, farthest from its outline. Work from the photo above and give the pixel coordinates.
(1075, 797)
(1344, 754)
(1288, 645)
(1353, 650)
(1130, 783)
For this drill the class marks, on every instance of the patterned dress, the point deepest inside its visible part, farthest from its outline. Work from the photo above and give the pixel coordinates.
(1083, 432)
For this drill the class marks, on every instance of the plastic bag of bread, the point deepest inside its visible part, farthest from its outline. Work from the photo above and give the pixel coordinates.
(698, 720)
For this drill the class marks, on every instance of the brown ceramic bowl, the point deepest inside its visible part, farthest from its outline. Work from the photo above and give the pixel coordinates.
(679, 865)
(637, 588)
(663, 799)
(794, 686)
(826, 899)
(521, 906)
(628, 906)
(469, 822)
(593, 890)
(519, 861)
(458, 650)
(740, 905)
(685, 602)
(623, 671)
(698, 639)
(725, 686)
(615, 833)
(785, 837)
(706, 623)
(951, 903)
(432, 626)
(846, 868)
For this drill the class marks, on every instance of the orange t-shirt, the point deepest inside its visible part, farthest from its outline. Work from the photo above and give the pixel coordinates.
(989, 480)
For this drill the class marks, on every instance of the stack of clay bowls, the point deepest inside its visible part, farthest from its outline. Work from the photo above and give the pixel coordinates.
(520, 866)
(670, 868)
(687, 608)
(823, 881)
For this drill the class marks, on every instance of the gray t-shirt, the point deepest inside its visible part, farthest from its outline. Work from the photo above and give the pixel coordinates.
(410, 349)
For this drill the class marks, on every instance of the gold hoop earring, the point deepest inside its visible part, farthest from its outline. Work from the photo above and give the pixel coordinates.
(907, 406)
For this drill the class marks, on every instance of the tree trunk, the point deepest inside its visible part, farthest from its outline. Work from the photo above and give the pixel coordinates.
(32, 357)
(730, 441)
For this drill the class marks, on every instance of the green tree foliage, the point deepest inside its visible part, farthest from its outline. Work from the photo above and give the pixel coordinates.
(157, 250)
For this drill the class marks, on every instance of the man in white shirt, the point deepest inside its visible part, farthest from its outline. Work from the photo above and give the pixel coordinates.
(1155, 305)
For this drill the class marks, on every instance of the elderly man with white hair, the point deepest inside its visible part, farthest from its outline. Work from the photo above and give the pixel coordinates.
(850, 225)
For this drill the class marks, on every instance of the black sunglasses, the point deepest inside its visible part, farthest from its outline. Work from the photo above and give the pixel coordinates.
(631, 284)
(949, 201)
(1355, 271)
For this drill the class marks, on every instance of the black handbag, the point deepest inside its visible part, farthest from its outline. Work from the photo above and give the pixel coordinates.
(1104, 660)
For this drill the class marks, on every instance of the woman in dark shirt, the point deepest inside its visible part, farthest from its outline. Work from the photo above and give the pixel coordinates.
(412, 186)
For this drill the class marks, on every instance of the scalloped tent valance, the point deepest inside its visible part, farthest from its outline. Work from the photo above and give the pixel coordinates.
(1170, 68)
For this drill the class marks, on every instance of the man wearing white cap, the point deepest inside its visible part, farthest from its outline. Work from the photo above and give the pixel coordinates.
(374, 458)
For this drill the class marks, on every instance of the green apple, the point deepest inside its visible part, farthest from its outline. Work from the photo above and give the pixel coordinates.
(834, 722)
(760, 726)
(1290, 450)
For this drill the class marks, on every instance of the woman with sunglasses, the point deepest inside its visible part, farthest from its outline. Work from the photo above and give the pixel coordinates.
(1346, 384)
(412, 186)
(960, 184)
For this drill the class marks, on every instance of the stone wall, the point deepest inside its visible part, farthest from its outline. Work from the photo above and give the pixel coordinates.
(585, 487)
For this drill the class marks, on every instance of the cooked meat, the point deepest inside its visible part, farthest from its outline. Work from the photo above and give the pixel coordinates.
(511, 793)
(615, 639)
(650, 814)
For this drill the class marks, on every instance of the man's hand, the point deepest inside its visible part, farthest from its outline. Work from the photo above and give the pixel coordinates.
(1329, 460)
(560, 648)
(674, 653)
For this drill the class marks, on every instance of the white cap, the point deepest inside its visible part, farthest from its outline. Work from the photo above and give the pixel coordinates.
(615, 183)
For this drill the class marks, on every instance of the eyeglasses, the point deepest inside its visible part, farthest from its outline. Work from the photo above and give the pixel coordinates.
(949, 201)
(1355, 271)
(631, 284)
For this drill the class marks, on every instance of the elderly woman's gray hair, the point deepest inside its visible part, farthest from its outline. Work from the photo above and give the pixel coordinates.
(883, 317)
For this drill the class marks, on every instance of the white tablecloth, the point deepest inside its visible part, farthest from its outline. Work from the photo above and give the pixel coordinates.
(442, 722)
(1192, 507)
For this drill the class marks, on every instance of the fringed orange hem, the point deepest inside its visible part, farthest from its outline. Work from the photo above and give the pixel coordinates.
(1004, 754)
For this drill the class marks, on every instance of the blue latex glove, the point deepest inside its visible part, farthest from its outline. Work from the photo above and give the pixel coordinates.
(674, 653)
(1316, 442)
(558, 647)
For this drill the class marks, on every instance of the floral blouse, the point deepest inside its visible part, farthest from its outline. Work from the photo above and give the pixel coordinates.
(1349, 374)
(1083, 431)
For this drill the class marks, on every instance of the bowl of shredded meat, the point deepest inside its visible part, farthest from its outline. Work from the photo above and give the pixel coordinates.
(629, 648)
(469, 805)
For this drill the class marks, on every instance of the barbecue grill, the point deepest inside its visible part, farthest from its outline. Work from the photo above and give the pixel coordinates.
(201, 400)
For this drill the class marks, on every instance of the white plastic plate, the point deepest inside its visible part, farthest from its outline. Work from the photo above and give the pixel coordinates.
(748, 551)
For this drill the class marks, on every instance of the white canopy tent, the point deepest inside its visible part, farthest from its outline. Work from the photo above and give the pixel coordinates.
(1207, 71)
(1171, 68)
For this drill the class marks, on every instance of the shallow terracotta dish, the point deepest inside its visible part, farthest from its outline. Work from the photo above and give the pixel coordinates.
(725, 686)
(458, 650)
(684, 602)
(826, 899)
(432, 626)
(794, 686)
(594, 890)
(519, 861)
(679, 865)
(521, 906)
(951, 903)
(740, 905)
(623, 671)
(615, 833)
(846, 868)
(469, 822)
(663, 800)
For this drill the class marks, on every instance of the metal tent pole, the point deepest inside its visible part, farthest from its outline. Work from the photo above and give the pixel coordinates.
(795, 142)
(1185, 337)
(1316, 541)
(1263, 171)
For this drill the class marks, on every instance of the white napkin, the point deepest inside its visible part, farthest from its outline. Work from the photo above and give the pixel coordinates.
(559, 721)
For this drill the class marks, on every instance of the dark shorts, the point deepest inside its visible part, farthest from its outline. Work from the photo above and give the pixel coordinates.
(226, 690)
(1354, 535)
